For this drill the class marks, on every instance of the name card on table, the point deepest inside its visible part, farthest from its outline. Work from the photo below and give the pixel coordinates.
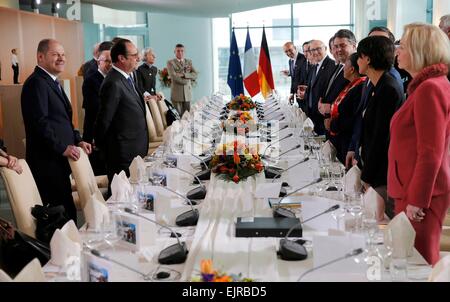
(96, 269)
(136, 233)
(328, 248)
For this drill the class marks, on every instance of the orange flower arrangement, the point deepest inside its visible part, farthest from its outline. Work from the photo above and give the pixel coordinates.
(236, 161)
(209, 274)
(241, 102)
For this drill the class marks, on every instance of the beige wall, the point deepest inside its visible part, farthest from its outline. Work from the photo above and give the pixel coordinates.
(24, 30)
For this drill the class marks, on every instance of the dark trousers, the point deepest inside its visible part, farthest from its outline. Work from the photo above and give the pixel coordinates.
(53, 182)
(16, 73)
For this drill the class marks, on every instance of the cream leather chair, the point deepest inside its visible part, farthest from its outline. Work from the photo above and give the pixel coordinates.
(23, 194)
(163, 110)
(85, 180)
(154, 139)
(156, 117)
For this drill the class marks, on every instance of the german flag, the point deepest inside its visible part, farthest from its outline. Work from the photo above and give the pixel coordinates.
(265, 68)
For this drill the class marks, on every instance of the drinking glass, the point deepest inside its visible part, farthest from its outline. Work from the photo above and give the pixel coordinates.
(112, 230)
(355, 208)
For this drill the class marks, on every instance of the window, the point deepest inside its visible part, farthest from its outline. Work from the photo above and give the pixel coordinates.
(297, 22)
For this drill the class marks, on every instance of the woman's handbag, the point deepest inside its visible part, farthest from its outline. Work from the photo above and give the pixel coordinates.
(171, 114)
(48, 220)
(17, 249)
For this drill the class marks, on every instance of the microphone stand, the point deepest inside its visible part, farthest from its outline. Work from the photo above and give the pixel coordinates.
(283, 212)
(353, 253)
(272, 143)
(174, 254)
(196, 193)
(276, 174)
(284, 153)
(292, 250)
(100, 255)
(189, 218)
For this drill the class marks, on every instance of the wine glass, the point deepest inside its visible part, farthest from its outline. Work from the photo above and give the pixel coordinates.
(355, 208)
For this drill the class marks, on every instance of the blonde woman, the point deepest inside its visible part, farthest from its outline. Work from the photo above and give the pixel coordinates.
(419, 159)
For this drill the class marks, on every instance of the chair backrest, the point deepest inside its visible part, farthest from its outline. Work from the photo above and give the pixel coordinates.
(23, 194)
(85, 179)
(163, 110)
(153, 137)
(156, 118)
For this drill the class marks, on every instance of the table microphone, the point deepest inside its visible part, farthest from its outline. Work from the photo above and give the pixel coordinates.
(275, 132)
(284, 153)
(264, 116)
(103, 256)
(351, 254)
(283, 212)
(189, 218)
(274, 173)
(195, 193)
(174, 254)
(204, 174)
(277, 141)
(291, 250)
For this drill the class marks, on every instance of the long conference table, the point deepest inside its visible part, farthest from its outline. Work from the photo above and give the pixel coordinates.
(214, 235)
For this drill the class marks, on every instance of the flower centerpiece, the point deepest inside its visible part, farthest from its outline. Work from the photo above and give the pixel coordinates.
(241, 102)
(236, 161)
(239, 120)
(209, 274)
(164, 77)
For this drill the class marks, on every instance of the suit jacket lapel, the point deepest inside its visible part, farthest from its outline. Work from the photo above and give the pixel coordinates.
(61, 94)
(132, 92)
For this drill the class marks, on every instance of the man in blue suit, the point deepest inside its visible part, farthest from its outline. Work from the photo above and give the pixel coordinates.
(50, 136)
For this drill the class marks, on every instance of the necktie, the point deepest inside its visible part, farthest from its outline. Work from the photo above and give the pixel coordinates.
(291, 67)
(59, 87)
(313, 79)
(130, 81)
(333, 78)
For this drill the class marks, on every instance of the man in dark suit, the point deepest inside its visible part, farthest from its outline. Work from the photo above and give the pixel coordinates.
(320, 76)
(50, 135)
(344, 43)
(91, 103)
(121, 129)
(296, 61)
(91, 65)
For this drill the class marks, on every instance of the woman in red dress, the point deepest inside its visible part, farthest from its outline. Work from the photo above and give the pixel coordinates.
(419, 151)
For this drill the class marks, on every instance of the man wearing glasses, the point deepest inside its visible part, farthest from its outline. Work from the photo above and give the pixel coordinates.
(320, 74)
(120, 130)
(91, 103)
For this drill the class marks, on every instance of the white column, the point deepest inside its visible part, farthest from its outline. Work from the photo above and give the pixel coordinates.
(402, 12)
(440, 8)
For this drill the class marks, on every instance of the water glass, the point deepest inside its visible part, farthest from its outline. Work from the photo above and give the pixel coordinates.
(355, 208)
(112, 230)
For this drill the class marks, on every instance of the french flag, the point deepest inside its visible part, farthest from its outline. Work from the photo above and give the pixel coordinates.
(251, 81)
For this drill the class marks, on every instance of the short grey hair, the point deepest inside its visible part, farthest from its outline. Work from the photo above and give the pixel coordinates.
(445, 21)
(145, 52)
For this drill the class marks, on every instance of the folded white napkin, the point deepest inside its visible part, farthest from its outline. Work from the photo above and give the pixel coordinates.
(352, 180)
(441, 271)
(120, 187)
(308, 125)
(96, 213)
(66, 242)
(329, 151)
(374, 204)
(137, 170)
(400, 235)
(32, 272)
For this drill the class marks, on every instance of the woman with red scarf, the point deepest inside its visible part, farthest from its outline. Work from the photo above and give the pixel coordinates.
(344, 108)
(419, 154)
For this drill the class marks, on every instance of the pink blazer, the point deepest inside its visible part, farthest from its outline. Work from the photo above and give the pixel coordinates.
(419, 151)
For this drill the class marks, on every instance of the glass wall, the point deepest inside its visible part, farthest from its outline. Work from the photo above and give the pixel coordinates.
(294, 22)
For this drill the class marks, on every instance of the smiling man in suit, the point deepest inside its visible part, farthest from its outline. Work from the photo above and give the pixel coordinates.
(183, 74)
(120, 131)
(50, 136)
(320, 76)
